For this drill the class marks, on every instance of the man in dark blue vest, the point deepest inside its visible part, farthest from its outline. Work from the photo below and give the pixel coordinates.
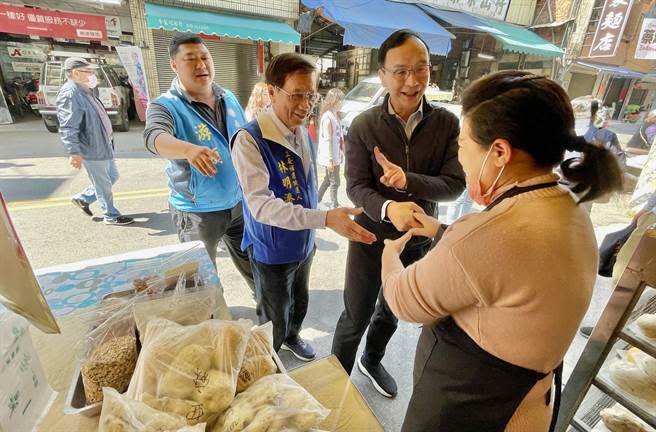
(274, 160)
(191, 125)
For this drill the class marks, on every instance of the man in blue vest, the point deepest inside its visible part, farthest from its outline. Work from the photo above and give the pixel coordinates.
(274, 160)
(191, 125)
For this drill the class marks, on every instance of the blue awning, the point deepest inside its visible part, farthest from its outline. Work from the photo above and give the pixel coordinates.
(212, 23)
(459, 19)
(513, 37)
(613, 70)
(368, 23)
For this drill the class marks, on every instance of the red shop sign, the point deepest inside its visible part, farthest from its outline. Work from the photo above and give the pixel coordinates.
(54, 24)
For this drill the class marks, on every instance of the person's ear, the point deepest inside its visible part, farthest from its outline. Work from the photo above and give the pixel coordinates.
(502, 152)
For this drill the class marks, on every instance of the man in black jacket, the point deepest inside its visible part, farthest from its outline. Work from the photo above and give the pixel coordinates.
(401, 158)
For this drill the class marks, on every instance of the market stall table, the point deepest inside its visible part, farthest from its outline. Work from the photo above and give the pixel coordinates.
(68, 287)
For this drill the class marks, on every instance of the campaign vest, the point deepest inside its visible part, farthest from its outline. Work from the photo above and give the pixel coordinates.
(194, 192)
(287, 181)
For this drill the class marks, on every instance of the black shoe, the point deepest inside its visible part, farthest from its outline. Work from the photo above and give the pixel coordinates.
(301, 350)
(383, 382)
(82, 205)
(121, 220)
(585, 331)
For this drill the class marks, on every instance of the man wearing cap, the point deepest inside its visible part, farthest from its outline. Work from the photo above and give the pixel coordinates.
(86, 133)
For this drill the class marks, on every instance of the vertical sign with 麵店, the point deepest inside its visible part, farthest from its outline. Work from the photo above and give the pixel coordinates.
(610, 28)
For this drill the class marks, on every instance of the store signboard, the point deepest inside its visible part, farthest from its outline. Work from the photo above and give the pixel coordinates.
(610, 29)
(132, 60)
(19, 52)
(646, 48)
(26, 66)
(496, 9)
(113, 25)
(54, 24)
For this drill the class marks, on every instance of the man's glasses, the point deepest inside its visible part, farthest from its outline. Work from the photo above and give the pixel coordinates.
(402, 74)
(311, 97)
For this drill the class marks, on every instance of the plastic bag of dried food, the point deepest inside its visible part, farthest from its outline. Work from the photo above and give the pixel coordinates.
(619, 419)
(273, 403)
(644, 361)
(647, 323)
(122, 414)
(191, 302)
(258, 359)
(633, 380)
(108, 354)
(191, 370)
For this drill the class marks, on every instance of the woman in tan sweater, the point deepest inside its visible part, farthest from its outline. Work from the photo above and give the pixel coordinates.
(502, 293)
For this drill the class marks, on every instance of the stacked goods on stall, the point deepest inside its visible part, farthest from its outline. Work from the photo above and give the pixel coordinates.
(194, 372)
(110, 349)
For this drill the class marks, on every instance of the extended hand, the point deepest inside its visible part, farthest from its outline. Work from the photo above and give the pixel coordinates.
(204, 159)
(393, 175)
(75, 161)
(401, 214)
(339, 220)
(429, 226)
(397, 245)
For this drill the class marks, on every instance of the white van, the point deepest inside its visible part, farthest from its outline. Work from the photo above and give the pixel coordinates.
(370, 92)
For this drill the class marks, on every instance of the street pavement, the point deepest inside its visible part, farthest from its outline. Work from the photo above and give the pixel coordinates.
(38, 182)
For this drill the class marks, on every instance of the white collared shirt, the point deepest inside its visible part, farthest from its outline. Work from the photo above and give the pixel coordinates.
(254, 176)
(412, 122)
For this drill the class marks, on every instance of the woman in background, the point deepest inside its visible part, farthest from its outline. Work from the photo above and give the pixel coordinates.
(330, 153)
(258, 101)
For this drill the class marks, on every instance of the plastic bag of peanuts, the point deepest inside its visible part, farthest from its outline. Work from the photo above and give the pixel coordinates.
(108, 353)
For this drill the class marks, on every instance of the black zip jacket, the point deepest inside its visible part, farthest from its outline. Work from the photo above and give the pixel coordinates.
(429, 159)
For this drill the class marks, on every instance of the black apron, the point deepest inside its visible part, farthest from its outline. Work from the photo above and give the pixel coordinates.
(459, 387)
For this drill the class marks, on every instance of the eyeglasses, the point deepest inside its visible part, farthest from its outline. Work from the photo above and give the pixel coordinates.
(87, 71)
(298, 98)
(402, 74)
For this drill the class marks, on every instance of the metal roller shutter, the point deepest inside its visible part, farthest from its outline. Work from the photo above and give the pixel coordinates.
(235, 64)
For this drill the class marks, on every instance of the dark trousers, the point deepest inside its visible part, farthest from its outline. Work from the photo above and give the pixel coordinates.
(364, 304)
(282, 295)
(330, 179)
(209, 228)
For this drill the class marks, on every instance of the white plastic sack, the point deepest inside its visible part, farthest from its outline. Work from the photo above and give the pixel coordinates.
(25, 396)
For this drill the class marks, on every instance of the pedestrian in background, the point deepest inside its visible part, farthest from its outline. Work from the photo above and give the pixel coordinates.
(191, 125)
(330, 153)
(642, 139)
(86, 133)
(599, 134)
(258, 102)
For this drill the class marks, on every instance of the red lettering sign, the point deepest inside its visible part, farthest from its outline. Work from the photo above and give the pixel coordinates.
(54, 24)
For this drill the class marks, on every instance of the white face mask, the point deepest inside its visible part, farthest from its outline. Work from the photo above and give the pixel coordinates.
(92, 81)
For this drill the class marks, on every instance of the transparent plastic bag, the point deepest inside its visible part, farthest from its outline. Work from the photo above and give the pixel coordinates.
(190, 302)
(122, 414)
(191, 370)
(108, 353)
(258, 359)
(273, 403)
